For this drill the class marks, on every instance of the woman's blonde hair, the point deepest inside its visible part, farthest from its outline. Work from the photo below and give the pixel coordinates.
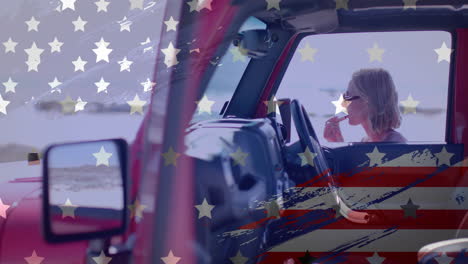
(377, 88)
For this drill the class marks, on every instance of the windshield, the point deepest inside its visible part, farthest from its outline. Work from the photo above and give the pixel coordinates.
(224, 82)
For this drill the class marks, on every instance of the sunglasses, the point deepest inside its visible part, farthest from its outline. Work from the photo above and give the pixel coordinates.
(346, 97)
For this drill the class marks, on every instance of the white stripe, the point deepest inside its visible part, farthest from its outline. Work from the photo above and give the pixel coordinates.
(429, 198)
(360, 240)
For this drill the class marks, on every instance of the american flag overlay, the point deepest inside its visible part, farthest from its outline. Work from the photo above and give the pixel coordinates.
(89, 70)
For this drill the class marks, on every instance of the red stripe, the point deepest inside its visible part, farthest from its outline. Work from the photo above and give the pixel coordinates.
(381, 219)
(346, 257)
(396, 177)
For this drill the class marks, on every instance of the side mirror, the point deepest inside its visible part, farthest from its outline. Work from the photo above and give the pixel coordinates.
(432, 251)
(255, 43)
(85, 190)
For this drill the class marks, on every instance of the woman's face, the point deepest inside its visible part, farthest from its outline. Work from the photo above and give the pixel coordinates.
(357, 108)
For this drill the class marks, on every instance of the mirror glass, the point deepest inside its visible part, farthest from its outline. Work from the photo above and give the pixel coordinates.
(86, 188)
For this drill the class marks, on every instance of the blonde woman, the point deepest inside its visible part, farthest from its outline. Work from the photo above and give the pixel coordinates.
(372, 102)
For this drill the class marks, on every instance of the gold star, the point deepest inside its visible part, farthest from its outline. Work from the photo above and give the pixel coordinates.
(273, 209)
(375, 53)
(3, 209)
(409, 105)
(341, 4)
(204, 105)
(170, 157)
(340, 105)
(443, 157)
(68, 105)
(375, 157)
(307, 53)
(136, 105)
(443, 53)
(171, 24)
(239, 157)
(34, 258)
(237, 54)
(409, 4)
(102, 157)
(102, 259)
(170, 54)
(239, 259)
(136, 209)
(307, 157)
(204, 209)
(68, 209)
(170, 259)
(273, 4)
(3, 105)
(272, 104)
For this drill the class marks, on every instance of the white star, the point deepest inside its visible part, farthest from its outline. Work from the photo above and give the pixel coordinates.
(53, 85)
(307, 157)
(147, 41)
(68, 4)
(375, 259)
(80, 105)
(171, 24)
(55, 45)
(102, 259)
(79, 64)
(34, 57)
(3, 207)
(102, 85)
(10, 85)
(79, 24)
(204, 105)
(34, 258)
(273, 4)
(341, 4)
(102, 157)
(32, 24)
(409, 4)
(443, 53)
(148, 85)
(444, 259)
(136, 4)
(198, 5)
(204, 209)
(409, 105)
(307, 53)
(102, 5)
(3, 105)
(340, 105)
(102, 52)
(125, 64)
(136, 105)
(10, 45)
(170, 259)
(443, 157)
(125, 24)
(68, 209)
(375, 157)
(170, 54)
(239, 259)
(375, 53)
